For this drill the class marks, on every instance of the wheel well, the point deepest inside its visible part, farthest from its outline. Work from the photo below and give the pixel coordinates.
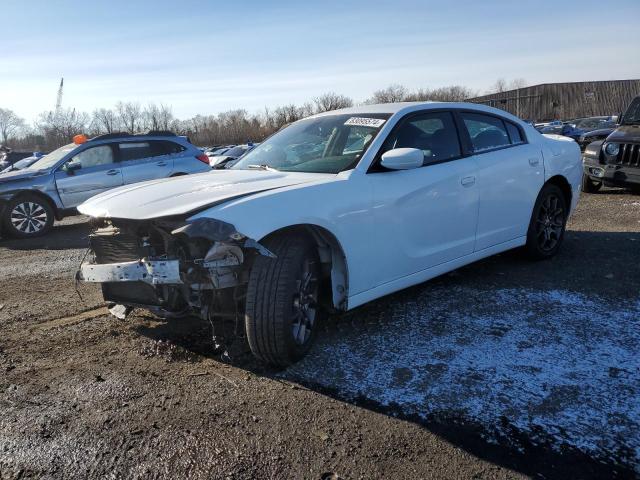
(564, 186)
(332, 259)
(43, 197)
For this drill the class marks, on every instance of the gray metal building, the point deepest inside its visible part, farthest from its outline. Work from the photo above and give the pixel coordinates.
(563, 101)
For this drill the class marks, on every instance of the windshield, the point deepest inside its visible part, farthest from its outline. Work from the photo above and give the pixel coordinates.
(327, 144)
(632, 115)
(54, 157)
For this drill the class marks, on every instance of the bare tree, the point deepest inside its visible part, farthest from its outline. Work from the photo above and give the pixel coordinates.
(331, 101)
(10, 124)
(518, 83)
(130, 114)
(453, 93)
(58, 128)
(391, 94)
(499, 87)
(104, 120)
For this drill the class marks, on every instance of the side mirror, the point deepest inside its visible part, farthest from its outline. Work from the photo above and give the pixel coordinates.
(70, 167)
(402, 159)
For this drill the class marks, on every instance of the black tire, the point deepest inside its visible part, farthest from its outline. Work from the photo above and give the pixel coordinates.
(589, 185)
(547, 224)
(280, 328)
(27, 216)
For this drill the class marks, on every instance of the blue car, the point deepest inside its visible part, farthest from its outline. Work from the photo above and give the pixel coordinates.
(53, 186)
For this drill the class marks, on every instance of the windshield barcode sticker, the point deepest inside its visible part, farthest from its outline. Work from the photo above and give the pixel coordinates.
(365, 122)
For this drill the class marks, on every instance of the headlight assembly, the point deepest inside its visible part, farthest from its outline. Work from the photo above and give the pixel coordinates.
(612, 149)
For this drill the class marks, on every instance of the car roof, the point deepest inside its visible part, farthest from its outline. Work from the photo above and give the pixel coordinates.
(407, 107)
(159, 135)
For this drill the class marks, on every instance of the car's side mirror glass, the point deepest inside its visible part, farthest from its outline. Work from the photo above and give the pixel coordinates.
(71, 167)
(402, 159)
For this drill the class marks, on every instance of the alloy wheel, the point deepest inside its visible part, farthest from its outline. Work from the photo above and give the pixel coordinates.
(305, 303)
(28, 217)
(550, 223)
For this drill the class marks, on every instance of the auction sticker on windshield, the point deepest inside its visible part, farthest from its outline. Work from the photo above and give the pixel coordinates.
(365, 122)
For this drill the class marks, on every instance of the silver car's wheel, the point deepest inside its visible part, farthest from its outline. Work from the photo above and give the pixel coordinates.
(28, 216)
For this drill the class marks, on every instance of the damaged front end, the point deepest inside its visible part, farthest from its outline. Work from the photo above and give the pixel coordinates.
(173, 267)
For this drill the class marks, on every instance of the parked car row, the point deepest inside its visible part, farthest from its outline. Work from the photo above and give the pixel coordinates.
(578, 127)
(224, 156)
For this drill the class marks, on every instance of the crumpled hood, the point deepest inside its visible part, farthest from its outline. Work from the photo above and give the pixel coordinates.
(626, 133)
(184, 194)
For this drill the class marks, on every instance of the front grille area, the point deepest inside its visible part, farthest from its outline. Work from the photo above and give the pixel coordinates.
(112, 247)
(629, 155)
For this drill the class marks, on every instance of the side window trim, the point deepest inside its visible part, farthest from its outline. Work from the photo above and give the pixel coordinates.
(375, 165)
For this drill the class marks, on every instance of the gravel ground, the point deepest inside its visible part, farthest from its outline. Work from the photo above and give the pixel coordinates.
(502, 369)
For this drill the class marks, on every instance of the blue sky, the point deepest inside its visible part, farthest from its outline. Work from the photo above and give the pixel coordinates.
(207, 56)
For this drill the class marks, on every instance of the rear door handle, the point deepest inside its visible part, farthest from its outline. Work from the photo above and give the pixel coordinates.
(113, 172)
(534, 162)
(161, 164)
(468, 181)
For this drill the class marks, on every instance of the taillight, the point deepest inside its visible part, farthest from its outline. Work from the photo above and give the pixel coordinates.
(203, 158)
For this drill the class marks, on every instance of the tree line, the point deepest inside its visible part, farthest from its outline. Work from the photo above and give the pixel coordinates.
(54, 129)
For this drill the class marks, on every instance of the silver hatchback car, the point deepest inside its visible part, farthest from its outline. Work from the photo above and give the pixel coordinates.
(52, 187)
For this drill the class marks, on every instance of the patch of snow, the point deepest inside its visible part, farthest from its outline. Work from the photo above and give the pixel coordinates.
(555, 362)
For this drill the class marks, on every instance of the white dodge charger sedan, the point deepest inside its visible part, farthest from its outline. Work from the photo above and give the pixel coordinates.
(329, 213)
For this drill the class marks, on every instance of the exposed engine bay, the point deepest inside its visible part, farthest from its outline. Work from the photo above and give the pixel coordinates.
(173, 268)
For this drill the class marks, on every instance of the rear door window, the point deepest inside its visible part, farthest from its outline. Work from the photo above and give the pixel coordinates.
(486, 132)
(134, 151)
(514, 133)
(152, 148)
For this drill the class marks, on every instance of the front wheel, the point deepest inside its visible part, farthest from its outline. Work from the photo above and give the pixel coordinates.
(282, 314)
(547, 225)
(27, 216)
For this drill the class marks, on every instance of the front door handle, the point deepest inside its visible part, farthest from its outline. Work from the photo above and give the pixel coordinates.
(113, 172)
(468, 181)
(534, 162)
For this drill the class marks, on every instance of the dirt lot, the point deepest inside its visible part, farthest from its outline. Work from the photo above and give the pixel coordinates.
(502, 369)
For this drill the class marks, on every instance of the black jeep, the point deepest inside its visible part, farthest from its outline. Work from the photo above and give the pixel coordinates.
(615, 161)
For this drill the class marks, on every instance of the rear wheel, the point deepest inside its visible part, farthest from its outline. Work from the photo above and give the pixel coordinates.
(27, 216)
(282, 311)
(589, 185)
(547, 225)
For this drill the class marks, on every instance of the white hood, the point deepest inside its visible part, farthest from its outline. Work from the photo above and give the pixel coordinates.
(180, 195)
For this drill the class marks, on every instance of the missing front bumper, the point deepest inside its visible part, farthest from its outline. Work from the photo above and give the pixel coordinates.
(152, 272)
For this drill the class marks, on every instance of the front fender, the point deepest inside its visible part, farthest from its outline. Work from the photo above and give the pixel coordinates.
(343, 207)
(592, 153)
